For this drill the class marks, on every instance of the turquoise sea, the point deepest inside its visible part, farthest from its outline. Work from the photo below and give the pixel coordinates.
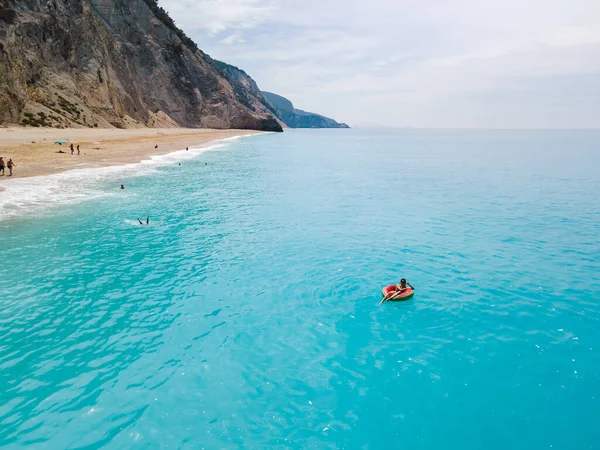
(246, 315)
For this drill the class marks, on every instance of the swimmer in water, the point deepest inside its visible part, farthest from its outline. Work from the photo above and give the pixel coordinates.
(147, 221)
(122, 186)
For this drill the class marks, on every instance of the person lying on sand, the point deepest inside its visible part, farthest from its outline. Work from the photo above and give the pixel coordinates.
(400, 289)
(147, 221)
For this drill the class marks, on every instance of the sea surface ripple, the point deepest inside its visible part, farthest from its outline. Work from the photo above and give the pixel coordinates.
(247, 313)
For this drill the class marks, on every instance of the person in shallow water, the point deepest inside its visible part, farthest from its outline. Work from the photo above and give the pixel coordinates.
(123, 187)
(400, 289)
(147, 221)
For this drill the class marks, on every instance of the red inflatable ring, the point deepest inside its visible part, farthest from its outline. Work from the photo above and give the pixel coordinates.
(406, 295)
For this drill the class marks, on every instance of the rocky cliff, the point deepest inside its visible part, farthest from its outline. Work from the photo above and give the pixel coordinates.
(120, 63)
(245, 89)
(296, 118)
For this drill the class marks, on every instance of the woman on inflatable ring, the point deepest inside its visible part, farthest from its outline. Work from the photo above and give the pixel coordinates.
(402, 291)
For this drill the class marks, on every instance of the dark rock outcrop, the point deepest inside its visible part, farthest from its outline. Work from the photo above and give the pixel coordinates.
(296, 118)
(122, 63)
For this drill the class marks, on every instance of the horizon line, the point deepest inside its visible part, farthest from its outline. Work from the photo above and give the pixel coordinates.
(410, 128)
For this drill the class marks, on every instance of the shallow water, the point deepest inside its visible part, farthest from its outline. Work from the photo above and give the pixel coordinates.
(247, 313)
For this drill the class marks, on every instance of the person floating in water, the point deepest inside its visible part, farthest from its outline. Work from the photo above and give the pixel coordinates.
(147, 221)
(399, 291)
(123, 188)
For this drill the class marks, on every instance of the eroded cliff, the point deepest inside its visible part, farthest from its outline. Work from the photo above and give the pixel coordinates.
(121, 63)
(296, 118)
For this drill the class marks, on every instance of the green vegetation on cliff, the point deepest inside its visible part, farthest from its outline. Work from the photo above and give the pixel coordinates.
(164, 17)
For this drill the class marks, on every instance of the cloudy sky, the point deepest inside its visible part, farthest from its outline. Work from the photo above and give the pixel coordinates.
(422, 63)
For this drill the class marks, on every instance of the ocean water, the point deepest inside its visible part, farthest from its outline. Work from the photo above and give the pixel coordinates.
(247, 315)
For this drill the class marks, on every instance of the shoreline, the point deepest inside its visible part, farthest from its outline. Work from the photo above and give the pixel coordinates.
(35, 153)
(52, 182)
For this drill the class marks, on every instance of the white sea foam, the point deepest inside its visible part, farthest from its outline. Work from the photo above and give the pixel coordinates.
(24, 196)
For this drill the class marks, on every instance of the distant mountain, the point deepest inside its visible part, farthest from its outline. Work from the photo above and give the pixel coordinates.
(115, 63)
(296, 118)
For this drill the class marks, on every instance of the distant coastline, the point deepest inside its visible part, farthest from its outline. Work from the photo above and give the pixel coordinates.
(296, 118)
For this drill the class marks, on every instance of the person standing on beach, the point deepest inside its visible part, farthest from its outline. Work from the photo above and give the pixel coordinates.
(77, 149)
(72, 149)
(10, 166)
(1, 165)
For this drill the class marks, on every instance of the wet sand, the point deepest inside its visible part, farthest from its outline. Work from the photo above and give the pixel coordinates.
(34, 152)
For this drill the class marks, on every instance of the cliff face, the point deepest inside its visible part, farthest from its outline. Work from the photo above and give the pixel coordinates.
(245, 89)
(118, 63)
(296, 118)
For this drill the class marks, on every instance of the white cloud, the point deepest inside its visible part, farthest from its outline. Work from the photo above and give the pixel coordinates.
(216, 16)
(235, 38)
(408, 62)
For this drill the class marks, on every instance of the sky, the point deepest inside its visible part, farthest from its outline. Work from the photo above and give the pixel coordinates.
(413, 63)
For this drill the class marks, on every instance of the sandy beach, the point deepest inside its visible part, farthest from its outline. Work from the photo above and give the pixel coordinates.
(34, 152)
